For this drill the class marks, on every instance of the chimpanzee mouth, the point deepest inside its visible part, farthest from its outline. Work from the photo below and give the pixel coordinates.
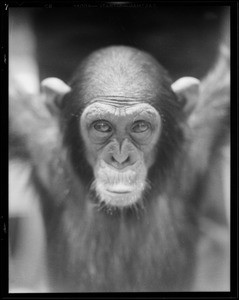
(120, 189)
(119, 192)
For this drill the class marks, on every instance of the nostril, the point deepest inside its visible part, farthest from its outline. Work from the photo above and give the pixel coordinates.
(127, 160)
(113, 159)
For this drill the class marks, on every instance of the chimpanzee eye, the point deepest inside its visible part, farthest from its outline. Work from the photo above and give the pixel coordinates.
(140, 126)
(102, 126)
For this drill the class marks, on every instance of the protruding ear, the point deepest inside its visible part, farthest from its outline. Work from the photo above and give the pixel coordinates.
(187, 89)
(53, 90)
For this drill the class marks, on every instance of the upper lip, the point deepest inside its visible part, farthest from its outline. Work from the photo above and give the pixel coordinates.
(119, 191)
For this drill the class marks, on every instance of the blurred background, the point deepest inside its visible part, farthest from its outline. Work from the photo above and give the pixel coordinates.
(50, 42)
(184, 39)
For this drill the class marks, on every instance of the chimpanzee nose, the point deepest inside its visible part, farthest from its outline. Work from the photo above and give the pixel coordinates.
(121, 157)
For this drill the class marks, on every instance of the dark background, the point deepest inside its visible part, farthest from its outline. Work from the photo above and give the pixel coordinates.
(183, 38)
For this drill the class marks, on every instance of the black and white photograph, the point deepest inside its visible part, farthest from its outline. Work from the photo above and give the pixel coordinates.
(119, 147)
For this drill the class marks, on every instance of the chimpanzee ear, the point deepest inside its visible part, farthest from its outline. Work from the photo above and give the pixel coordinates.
(187, 90)
(53, 90)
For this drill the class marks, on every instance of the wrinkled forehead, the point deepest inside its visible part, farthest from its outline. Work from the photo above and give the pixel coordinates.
(99, 109)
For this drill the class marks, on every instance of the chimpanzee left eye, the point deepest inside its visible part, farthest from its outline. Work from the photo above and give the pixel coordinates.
(140, 126)
(102, 126)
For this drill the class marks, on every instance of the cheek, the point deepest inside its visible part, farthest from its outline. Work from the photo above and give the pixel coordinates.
(90, 154)
(150, 148)
(90, 151)
(150, 158)
(150, 152)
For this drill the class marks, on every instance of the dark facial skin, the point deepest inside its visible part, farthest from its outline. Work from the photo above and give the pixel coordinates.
(120, 143)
